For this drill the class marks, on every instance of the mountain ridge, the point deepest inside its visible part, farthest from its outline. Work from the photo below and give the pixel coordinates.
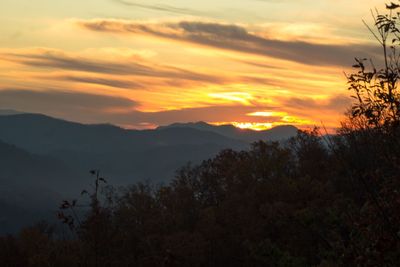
(276, 133)
(54, 156)
(124, 151)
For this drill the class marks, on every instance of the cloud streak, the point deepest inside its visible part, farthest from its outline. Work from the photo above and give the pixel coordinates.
(58, 60)
(239, 39)
(339, 102)
(50, 101)
(120, 75)
(101, 81)
(161, 8)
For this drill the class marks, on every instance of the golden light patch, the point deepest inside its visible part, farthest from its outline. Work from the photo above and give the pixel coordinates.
(256, 126)
(267, 114)
(241, 97)
(296, 121)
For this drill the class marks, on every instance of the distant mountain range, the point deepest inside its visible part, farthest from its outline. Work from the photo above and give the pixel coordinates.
(230, 131)
(9, 112)
(26, 187)
(43, 159)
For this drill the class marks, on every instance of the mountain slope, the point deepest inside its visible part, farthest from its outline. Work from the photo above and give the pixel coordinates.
(43, 159)
(125, 155)
(42, 134)
(274, 134)
(9, 112)
(28, 185)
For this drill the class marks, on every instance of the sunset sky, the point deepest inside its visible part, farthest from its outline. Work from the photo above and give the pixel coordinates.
(144, 63)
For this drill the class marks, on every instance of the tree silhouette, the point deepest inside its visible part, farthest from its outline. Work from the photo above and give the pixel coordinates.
(375, 83)
(94, 228)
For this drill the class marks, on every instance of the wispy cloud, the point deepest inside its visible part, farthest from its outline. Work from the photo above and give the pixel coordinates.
(239, 39)
(54, 101)
(117, 83)
(161, 8)
(58, 60)
(70, 67)
(338, 102)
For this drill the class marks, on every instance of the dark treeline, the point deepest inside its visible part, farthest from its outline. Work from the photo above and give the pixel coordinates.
(309, 202)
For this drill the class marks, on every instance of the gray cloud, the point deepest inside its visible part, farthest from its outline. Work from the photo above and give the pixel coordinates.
(258, 64)
(51, 59)
(259, 80)
(61, 103)
(338, 102)
(236, 38)
(102, 81)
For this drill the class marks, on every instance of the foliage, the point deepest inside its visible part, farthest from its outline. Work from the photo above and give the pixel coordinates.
(303, 203)
(376, 88)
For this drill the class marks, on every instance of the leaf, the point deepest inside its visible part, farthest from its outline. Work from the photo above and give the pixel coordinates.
(392, 6)
(64, 205)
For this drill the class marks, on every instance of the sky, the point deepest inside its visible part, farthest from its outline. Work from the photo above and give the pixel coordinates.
(144, 63)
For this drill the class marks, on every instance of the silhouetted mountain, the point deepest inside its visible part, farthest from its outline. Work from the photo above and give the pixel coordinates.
(123, 154)
(9, 112)
(127, 155)
(28, 185)
(42, 134)
(275, 134)
(43, 159)
(21, 168)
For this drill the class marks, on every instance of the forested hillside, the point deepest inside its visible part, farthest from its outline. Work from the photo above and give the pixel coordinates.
(298, 204)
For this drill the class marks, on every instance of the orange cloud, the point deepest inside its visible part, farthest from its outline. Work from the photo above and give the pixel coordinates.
(239, 39)
(167, 93)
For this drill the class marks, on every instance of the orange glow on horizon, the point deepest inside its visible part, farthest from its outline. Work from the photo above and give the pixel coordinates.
(134, 81)
(256, 126)
(246, 125)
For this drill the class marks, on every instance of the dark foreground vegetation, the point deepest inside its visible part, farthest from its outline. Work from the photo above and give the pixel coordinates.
(298, 204)
(312, 201)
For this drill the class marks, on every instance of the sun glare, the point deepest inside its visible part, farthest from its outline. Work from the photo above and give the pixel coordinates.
(267, 114)
(256, 126)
